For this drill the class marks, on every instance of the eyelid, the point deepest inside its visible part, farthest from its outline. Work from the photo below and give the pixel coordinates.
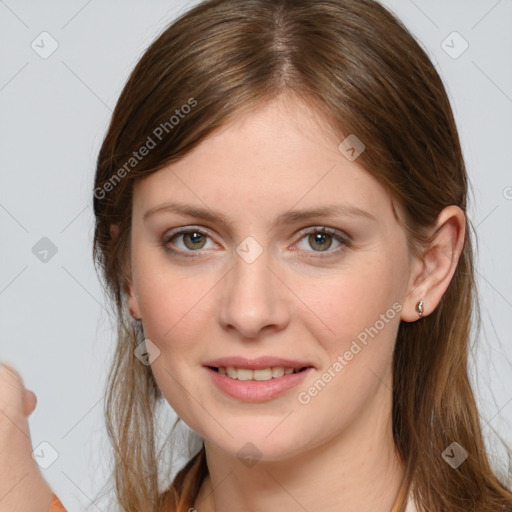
(325, 229)
(342, 237)
(169, 235)
(338, 235)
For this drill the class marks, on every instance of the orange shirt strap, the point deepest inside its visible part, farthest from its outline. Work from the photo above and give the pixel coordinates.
(56, 505)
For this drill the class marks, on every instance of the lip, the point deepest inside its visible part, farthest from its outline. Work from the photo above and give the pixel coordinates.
(257, 362)
(257, 390)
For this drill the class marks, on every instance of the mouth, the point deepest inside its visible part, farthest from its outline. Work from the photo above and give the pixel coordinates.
(260, 384)
(260, 374)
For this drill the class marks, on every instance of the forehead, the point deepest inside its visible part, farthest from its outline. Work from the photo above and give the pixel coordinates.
(272, 158)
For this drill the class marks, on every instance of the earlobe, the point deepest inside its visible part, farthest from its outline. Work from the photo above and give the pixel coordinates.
(133, 302)
(439, 263)
(114, 231)
(415, 309)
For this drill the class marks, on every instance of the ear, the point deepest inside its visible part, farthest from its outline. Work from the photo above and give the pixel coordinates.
(437, 265)
(133, 302)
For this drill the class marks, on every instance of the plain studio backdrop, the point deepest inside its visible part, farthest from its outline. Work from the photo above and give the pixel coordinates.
(63, 65)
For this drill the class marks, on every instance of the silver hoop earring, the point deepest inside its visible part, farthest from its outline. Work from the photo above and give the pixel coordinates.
(419, 307)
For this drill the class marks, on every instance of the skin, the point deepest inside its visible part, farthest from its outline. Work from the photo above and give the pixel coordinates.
(22, 486)
(338, 448)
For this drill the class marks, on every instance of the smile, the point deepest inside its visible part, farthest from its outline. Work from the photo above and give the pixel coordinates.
(259, 385)
(260, 374)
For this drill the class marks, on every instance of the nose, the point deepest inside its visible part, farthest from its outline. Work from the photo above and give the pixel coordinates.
(254, 298)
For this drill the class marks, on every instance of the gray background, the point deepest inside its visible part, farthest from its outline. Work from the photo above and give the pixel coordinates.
(54, 112)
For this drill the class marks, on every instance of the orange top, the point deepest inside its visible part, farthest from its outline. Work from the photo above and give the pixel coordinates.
(56, 505)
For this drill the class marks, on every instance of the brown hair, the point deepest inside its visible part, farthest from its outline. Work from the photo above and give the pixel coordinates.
(360, 68)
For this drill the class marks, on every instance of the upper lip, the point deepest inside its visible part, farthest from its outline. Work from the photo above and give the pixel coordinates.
(256, 362)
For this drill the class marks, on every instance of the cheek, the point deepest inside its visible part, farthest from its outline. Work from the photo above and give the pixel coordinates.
(359, 317)
(357, 331)
(347, 303)
(168, 295)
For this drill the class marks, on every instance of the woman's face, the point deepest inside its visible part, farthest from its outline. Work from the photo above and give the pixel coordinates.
(263, 282)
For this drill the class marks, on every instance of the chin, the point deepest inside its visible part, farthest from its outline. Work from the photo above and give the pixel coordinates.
(251, 443)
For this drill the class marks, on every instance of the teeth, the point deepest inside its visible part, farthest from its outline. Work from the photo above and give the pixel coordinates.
(244, 374)
(259, 374)
(278, 371)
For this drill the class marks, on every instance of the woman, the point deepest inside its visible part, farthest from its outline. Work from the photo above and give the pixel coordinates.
(281, 224)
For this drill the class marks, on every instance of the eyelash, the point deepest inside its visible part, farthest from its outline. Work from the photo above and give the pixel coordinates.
(344, 241)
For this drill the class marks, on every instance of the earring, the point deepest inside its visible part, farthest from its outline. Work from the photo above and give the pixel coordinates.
(419, 307)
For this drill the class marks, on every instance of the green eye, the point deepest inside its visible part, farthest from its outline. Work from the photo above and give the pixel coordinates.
(320, 239)
(194, 240)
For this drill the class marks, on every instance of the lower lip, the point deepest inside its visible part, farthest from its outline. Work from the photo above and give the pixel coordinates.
(257, 390)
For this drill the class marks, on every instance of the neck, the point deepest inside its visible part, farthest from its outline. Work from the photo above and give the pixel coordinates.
(358, 470)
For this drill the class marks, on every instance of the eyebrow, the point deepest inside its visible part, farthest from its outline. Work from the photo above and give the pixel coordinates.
(289, 217)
